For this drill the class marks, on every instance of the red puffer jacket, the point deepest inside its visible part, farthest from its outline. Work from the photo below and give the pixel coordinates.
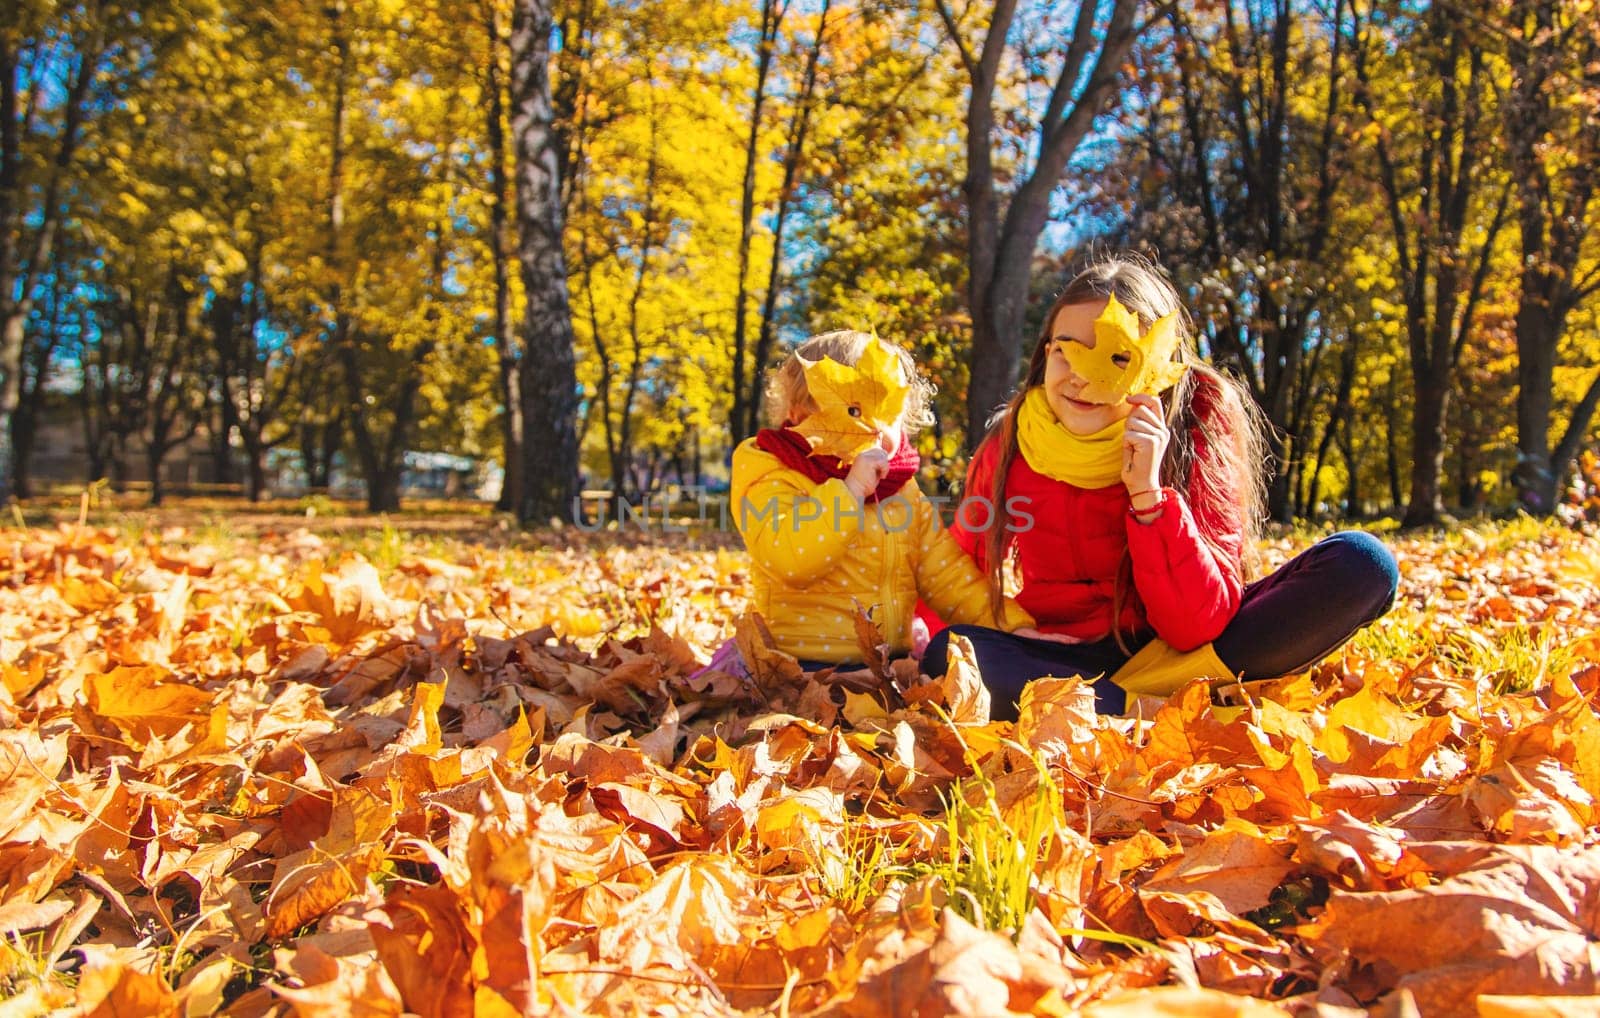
(1185, 587)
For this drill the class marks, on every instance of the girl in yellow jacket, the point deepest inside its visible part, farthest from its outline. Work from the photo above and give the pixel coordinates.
(830, 511)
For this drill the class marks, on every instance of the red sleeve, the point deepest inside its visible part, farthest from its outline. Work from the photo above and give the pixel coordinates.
(980, 477)
(1187, 562)
(1190, 589)
(930, 618)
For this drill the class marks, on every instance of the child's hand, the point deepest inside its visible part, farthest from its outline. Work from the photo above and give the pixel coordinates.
(869, 468)
(1144, 443)
(920, 637)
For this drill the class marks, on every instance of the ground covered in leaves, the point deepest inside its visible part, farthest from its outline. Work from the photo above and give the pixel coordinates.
(289, 772)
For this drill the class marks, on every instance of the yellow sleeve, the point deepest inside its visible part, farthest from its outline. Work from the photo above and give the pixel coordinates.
(790, 526)
(948, 580)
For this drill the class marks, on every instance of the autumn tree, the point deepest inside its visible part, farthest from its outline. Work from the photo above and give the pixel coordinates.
(240, 64)
(547, 373)
(108, 397)
(1242, 112)
(365, 215)
(1004, 222)
(645, 237)
(50, 59)
(886, 233)
(507, 350)
(145, 378)
(1551, 117)
(220, 102)
(658, 298)
(153, 237)
(788, 67)
(169, 358)
(256, 371)
(1424, 85)
(55, 315)
(747, 383)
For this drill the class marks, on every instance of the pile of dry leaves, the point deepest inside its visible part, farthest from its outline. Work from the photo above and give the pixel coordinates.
(268, 778)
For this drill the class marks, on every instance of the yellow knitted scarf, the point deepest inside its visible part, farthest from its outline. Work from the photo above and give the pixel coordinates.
(1087, 461)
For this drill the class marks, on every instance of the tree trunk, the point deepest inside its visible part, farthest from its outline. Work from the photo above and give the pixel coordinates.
(1577, 427)
(17, 283)
(1352, 468)
(319, 443)
(505, 341)
(1537, 338)
(677, 462)
(95, 432)
(1280, 504)
(374, 472)
(1312, 485)
(1313, 498)
(153, 457)
(383, 490)
(97, 464)
(172, 413)
(1339, 423)
(1555, 60)
(25, 422)
(746, 384)
(1000, 248)
(548, 372)
(1427, 451)
(621, 447)
(225, 341)
(800, 128)
(382, 461)
(255, 472)
(248, 380)
(1397, 496)
(23, 428)
(308, 456)
(339, 326)
(221, 446)
(119, 467)
(996, 353)
(255, 454)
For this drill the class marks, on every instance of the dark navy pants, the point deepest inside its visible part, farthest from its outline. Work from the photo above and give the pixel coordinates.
(1286, 622)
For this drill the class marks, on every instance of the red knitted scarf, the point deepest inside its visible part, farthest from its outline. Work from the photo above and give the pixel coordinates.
(794, 452)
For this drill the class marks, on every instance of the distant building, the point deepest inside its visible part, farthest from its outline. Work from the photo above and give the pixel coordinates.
(439, 474)
(61, 457)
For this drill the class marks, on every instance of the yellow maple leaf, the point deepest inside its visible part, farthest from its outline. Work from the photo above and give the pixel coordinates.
(853, 402)
(1149, 367)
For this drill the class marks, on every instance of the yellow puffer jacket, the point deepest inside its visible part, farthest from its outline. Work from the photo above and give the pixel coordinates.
(817, 552)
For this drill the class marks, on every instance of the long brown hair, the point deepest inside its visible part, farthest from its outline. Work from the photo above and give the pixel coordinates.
(1217, 448)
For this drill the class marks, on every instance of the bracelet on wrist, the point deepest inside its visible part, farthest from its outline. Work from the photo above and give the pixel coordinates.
(1162, 498)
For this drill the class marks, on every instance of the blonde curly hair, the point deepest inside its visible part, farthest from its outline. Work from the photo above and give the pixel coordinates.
(789, 401)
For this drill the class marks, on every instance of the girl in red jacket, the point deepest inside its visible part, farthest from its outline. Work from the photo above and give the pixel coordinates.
(1142, 473)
